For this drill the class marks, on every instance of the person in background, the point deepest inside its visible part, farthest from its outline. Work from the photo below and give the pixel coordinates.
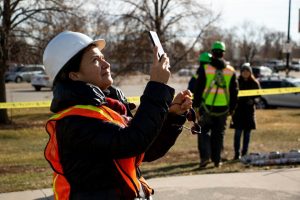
(215, 96)
(243, 119)
(204, 58)
(94, 148)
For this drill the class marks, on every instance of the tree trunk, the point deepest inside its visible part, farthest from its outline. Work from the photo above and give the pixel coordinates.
(3, 112)
(4, 34)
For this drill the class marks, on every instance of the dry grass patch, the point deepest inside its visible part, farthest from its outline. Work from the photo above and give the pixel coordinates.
(277, 130)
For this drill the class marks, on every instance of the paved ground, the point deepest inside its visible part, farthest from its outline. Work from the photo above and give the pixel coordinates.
(281, 184)
(130, 85)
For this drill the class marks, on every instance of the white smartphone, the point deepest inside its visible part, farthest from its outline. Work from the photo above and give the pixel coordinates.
(156, 42)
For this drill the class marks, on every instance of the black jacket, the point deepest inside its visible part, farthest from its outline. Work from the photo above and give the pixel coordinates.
(244, 115)
(201, 82)
(87, 146)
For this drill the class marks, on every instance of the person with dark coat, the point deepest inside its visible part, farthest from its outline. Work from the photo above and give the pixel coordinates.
(243, 119)
(96, 146)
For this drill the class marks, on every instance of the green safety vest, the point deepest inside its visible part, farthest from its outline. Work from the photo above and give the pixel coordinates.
(216, 91)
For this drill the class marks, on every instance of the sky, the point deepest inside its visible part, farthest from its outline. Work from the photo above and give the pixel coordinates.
(272, 14)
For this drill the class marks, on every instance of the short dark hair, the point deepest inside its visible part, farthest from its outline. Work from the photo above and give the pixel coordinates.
(73, 65)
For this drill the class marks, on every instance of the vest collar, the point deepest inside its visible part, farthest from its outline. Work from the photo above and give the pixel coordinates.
(73, 93)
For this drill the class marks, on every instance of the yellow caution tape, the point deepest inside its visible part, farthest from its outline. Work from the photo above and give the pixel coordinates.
(136, 99)
(243, 93)
(133, 99)
(40, 104)
(32, 104)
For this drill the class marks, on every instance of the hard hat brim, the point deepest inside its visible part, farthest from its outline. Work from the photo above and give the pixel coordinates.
(100, 43)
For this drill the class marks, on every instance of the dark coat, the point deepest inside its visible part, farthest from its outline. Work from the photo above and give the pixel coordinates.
(244, 114)
(87, 146)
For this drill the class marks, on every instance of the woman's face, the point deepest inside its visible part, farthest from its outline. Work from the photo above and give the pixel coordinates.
(246, 74)
(94, 69)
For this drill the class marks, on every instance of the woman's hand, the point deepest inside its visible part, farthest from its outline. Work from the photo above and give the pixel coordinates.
(159, 70)
(181, 103)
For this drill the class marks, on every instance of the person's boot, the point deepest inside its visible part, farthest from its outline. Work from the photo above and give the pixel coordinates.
(236, 156)
(218, 164)
(204, 163)
(244, 153)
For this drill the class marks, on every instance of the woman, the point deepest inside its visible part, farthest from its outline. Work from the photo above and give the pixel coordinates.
(95, 149)
(244, 116)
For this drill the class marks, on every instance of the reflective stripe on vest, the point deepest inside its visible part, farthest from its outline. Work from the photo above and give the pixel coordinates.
(214, 95)
(126, 167)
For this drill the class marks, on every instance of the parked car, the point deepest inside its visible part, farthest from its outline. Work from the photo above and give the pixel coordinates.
(279, 100)
(186, 72)
(12, 70)
(276, 65)
(295, 65)
(261, 71)
(24, 73)
(40, 81)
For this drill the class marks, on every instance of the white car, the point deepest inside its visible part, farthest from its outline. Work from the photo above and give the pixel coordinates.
(295, 65)
(261, 71)
(186, 72)
(23, 73)
(39, 81)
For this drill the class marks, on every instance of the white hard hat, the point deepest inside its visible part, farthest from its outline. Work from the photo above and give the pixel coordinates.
(63, 47)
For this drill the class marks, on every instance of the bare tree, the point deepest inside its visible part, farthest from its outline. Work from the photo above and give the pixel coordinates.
(230, 39)
(211, 34)
(251, 40)
(272, 47)
(175, 21)
(15, 17)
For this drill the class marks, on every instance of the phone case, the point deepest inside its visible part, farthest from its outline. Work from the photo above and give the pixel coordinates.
(156, 42)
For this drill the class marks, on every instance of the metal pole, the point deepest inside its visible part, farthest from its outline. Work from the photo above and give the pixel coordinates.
(288, 41)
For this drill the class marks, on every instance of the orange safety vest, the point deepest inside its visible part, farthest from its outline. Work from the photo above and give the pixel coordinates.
(126, 166)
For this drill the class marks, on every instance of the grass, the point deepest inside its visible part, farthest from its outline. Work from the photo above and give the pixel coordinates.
(277, 130)
(23, 167)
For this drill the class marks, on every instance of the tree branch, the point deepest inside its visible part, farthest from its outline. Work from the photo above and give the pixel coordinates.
(195, 41)
(29, 14)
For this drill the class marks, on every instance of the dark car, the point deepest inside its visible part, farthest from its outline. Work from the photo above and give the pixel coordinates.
(276, 65)
(279, 100)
